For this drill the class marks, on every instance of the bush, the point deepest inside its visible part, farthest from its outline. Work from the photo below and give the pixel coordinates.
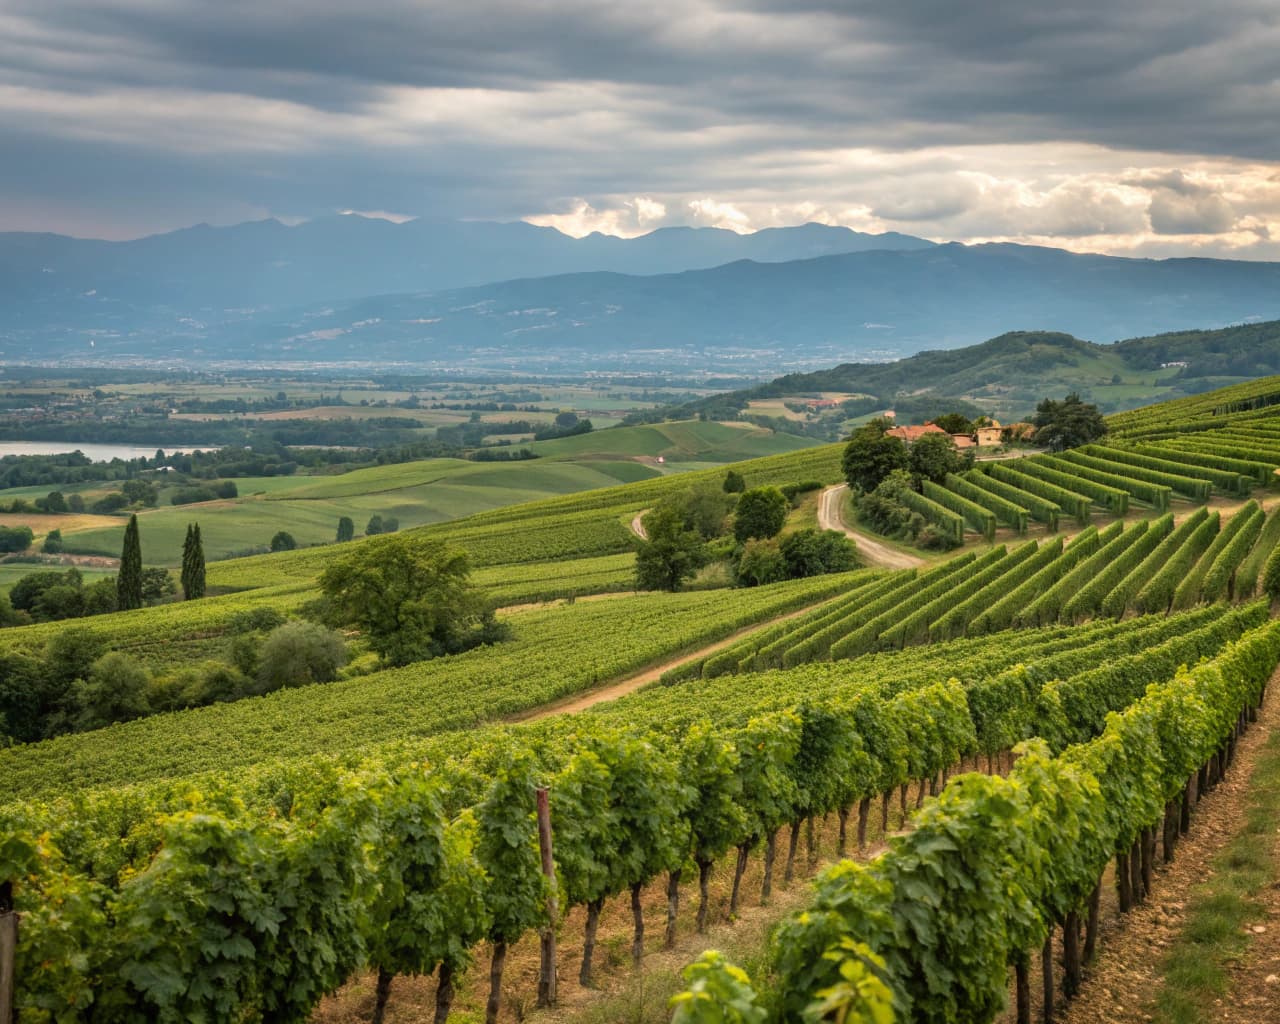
(734, 482)
(116, 691)
(113, 502)
(189, 496)
(299, 653)
(52, 543)
(760, 562)
(816, 552)
(255, 620)
(283, 541)
(227, 489)
(15, 538)
(139, 492)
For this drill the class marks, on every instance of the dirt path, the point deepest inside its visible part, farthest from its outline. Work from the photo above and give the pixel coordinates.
(873, 552)
(613, 691)
(637, 526)
(1129, 971)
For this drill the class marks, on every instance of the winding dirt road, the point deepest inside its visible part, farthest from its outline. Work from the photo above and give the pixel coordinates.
(873, 552)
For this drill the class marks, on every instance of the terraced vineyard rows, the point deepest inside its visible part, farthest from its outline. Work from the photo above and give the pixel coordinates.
(1099, 574)
(705, 787)
(555, 653)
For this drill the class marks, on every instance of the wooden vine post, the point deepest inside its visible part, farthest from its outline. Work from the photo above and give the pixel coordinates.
(547, 972)
(8, 951)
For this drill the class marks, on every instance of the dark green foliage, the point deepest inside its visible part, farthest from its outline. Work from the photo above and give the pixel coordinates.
(871, 455)
(115, 691)
(734, 482)
(54, 501)
(129, 580)
(703, 508)
(1067, 424)
(52, 543)
(815, 552)
(954, 423)
(671, 553)
(346, 529)
(193, 569)
(15, 538)
(140, 492)
(411, 597)
(374, 526)
(283, 541)
(299, 653)
(761, 512)
(933, 456)
(157, 585)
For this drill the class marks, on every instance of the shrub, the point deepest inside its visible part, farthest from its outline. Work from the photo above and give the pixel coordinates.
(760, 562)
(299, 653)
(15, 538)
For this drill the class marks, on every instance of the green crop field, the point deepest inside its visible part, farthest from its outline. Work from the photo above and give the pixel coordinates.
(431, 491)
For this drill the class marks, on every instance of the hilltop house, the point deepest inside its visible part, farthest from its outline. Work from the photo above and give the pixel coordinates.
(983, 437)
(913, 434)
(989, 436)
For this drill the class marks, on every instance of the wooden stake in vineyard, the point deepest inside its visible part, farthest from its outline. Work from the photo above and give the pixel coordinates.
(8, 951)
(547, 973)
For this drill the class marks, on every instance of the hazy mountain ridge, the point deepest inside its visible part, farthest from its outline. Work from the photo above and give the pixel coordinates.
(1013, 371)
(266, 264)
(750, 315)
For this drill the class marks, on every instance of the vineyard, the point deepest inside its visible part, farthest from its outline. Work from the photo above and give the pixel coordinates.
(1028, 716)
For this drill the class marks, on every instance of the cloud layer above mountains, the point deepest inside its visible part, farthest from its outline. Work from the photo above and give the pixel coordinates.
(1112, 125)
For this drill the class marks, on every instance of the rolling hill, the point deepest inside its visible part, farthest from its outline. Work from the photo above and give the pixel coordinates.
(1009, 374)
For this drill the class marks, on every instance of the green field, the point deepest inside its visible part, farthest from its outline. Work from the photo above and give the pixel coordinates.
(431, 491)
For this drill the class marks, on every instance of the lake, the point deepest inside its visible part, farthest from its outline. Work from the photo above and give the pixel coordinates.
(97, 452)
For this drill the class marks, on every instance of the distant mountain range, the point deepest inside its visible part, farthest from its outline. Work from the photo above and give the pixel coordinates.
(517, 296)
(268, 265)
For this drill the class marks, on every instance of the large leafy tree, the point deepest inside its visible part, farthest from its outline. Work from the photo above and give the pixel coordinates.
(411, 597)
(129, 580)
(1067, 424)
(761, 512)
(871, 455)
(932, 457)
(671, 553)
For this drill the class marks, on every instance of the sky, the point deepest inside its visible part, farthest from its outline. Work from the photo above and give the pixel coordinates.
(1133, 127)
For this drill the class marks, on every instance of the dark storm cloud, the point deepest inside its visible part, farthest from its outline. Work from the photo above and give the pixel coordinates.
(506, 107)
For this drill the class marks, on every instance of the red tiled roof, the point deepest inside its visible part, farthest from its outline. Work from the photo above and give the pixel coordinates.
(910, 434)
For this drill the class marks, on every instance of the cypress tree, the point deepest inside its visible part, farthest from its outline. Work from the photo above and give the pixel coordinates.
(129, 581)
(193, 563)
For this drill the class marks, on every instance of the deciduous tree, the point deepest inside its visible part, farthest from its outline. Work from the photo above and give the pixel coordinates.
(411, 596)
(871, 455)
